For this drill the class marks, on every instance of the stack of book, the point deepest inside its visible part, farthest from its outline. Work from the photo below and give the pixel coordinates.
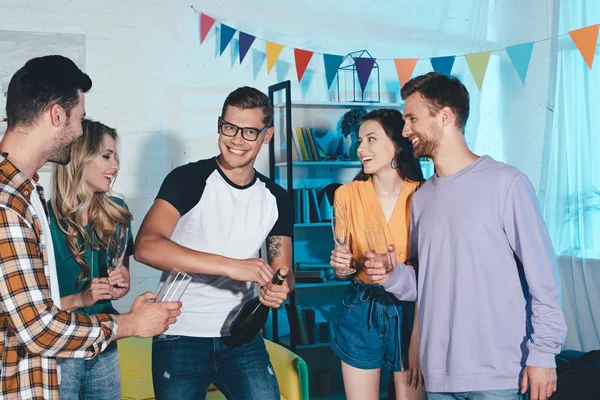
(307, 147)
(308, 272)
(307, 207)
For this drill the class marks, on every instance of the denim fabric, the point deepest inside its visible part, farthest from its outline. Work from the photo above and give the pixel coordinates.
(183, 367)
(511, 394)
(371, 328)
(95, 379)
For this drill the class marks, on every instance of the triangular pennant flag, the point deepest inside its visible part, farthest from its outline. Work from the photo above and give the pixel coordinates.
(585, 39)
(227, 33)
(364, 66)
(332, 63)
(273, 52)
(520, 54)
(302, 59)
(478, 63)
(245, 44)
(443, 64)
(405, 68)
(206, 23)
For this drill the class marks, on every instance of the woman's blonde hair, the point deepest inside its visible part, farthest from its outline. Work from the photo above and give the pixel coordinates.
(72, 200)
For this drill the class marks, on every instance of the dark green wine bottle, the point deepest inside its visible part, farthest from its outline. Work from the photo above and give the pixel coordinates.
(251, 318)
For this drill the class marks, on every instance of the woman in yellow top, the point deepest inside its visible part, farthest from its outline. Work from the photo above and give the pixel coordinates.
(372, 327)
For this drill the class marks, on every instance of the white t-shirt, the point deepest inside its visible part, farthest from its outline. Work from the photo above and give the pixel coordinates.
(47, 243)
(220, 217)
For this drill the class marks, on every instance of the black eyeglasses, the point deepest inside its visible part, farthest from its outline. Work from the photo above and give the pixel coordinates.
(250, 134)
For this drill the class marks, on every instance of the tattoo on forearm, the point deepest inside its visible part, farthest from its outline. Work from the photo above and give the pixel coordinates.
(273, 248)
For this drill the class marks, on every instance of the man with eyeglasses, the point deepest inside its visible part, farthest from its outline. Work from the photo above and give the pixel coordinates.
(210, 219)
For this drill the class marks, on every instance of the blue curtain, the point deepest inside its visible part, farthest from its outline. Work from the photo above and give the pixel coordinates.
(569, 189)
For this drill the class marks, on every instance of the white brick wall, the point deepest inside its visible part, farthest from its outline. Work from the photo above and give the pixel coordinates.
(163, 91)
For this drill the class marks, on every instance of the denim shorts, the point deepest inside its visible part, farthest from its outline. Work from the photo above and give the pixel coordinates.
(371, 328)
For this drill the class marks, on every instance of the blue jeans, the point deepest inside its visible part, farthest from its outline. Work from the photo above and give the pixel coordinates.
(511, 394)
(95, 379)
(183, 367)
(371, 328)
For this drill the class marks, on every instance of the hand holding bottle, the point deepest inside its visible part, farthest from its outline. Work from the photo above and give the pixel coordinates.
(251, 318)
(273, 294)
(254, 270)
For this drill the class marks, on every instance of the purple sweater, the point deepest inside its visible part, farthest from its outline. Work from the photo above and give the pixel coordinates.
(488, 286)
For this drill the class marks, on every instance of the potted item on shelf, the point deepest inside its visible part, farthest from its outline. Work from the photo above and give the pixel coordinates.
(348, 127)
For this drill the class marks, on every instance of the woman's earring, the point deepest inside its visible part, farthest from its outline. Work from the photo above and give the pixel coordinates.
(394, 164)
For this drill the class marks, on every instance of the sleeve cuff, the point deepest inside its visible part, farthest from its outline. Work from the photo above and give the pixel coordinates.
(540, 359)
(395, 280)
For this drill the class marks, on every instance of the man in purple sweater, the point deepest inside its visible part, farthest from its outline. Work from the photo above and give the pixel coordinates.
(489, 303)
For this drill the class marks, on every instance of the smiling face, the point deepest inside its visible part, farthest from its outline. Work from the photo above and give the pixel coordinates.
(376, 150)
(237, 152)
(422, 128)
(102, 170)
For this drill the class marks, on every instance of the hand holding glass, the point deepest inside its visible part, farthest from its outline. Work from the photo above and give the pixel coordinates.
(341, 233)
(378, 244)
(174, 286)
(116, 247)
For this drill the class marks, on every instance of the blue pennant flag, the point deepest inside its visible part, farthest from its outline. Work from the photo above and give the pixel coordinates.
(443, 65)
(364, 66)
(227, 33)
(332, 63)
(520, 54)
(245, 44)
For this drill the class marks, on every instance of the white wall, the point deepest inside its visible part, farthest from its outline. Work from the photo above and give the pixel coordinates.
(163, 91)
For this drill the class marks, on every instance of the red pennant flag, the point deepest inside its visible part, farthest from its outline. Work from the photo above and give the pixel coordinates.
(302, 59)
(405, 68)
(206, 23)
(585, 39)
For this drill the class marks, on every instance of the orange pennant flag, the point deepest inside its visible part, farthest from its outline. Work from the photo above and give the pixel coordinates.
(302, 59)
(405, 68)
(585, 39)
(273, 52)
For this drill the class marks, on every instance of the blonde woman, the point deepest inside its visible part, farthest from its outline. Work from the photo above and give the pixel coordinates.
(82, 218)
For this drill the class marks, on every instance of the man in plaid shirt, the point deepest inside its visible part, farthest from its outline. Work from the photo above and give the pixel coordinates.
(44, 108)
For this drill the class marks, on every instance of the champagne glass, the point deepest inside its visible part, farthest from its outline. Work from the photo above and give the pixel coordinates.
(174, 286)
(378, 244)
(116, 247)
(341, 234)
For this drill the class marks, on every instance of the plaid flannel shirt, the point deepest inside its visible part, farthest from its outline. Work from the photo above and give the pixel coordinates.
(33, 331)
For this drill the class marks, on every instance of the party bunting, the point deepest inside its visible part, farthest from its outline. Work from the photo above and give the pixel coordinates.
(302, 58)
(520, 54)
(273, 52)
(585, 39)
(405, 68)
(227, 33)
(206, 23)
(364, 66)
(245, 44)
(332, 63)
(443, 65)
(478, 63)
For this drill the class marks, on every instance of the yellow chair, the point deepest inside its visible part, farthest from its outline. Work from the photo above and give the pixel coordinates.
(135, 357)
